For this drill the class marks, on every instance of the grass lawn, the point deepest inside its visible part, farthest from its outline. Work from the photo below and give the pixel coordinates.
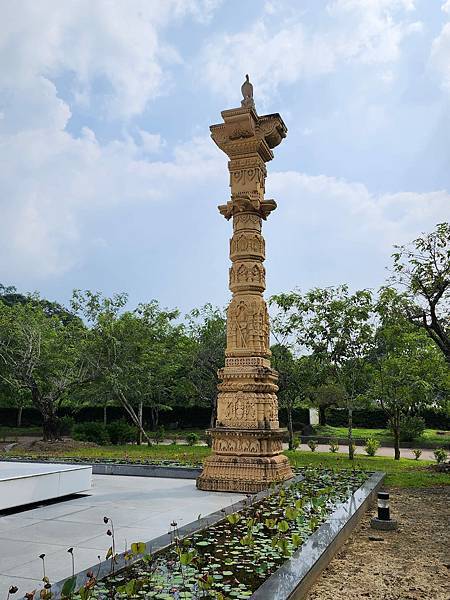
(429, 437)
(402, 473)
(157, 452)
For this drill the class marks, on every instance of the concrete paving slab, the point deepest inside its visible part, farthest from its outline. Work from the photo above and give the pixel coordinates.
(14, 522)
(23, 583)
(55, 532)
(142, 509)
(45, 513)
(58, 565)
(95, 515)
(14, 553)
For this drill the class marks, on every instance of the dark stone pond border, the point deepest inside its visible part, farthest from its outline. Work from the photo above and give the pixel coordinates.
(295, 577)
(146, 471)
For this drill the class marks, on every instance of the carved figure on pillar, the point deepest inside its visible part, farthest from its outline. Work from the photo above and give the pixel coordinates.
(247, 440)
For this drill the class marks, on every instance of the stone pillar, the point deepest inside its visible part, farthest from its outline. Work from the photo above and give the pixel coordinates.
(247, 440)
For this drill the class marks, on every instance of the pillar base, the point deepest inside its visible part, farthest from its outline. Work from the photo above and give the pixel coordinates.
(248, 461)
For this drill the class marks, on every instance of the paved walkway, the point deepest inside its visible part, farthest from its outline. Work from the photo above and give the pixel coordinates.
(142, 508)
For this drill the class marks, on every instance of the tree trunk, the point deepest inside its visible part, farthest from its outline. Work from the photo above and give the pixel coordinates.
(351, 450)
(396, 445)
(212, 422)
(396, 432)
(19, 416)
(322, 416)
(155, 418)
(290, 427)
(105, 415)
(139, 440)
(50, 427)
(132, 413)
(48, 413)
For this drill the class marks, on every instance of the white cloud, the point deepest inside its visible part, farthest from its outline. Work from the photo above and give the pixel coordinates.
(446, 6)
(103, 43)
(440, 52)
(52, 185)
(151, 142)
(385, 218)
(277, 49)
(49, 179)
(328, 231)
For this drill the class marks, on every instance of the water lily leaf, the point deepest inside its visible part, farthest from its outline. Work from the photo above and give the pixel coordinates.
(283, 526)
(68, 587)
(138, 548)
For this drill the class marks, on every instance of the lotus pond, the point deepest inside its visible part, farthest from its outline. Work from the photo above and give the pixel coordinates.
(232, 558)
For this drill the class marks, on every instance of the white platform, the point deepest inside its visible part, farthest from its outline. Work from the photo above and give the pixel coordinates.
(24, 483)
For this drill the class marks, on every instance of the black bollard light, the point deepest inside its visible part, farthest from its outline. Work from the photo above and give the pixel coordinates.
(383, 506)
(383, 521)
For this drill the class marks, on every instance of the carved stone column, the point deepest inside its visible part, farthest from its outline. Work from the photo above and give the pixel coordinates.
(247, 440)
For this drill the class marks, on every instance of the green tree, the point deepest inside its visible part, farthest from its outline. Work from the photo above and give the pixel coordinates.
(42, 356)
(11, 297)
(422, 268)
(138, 353)
(408, 371)
(337, 328)
(295, 378)
(325, 396)
(207, 329)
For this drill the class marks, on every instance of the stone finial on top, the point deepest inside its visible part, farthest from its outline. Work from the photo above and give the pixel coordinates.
(247, 93)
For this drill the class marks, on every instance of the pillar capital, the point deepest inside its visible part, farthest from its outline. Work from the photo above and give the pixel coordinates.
(244, 131)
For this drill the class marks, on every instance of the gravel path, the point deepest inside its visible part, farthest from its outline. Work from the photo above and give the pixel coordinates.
(412, 563)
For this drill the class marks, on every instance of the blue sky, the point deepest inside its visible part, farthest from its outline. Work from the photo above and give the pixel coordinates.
(109, 180)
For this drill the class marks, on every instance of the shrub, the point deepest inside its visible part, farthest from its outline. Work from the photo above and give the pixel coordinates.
(295, 442)
(411, 428)
(417, 453)
(192, 438)
(121, 432)
(91, 431)
(440, 455)
(159, 434)
(312, 445)
(298, 425)
(372, 446)
(334, 446)
(65, 425)
(209, 440)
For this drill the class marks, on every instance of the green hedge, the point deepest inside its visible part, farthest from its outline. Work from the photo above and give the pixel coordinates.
(116, 433)
(377, 419)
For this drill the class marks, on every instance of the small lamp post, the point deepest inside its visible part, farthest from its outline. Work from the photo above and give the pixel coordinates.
(383, 520)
